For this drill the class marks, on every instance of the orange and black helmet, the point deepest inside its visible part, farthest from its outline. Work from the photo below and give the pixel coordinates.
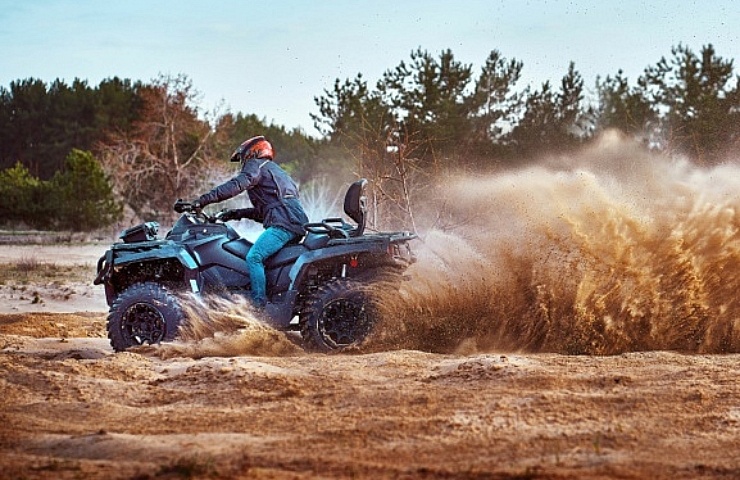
(255, 147)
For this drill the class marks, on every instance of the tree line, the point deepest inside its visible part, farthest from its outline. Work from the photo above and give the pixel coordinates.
(151, 143)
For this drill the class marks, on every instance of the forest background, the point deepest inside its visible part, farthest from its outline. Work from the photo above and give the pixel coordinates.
(80, 157)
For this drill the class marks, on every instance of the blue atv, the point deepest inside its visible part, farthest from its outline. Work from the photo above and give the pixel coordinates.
(316, 285)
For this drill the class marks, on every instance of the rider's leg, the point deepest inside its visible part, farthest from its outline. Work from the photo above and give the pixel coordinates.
(267, 244)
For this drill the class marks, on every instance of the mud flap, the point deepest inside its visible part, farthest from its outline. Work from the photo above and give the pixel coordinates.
(279, 310)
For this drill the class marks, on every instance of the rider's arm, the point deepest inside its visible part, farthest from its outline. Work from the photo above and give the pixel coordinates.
(250, 213)
(246, 179)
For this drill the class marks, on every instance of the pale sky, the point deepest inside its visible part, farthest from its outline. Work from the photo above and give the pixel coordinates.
(272, 58)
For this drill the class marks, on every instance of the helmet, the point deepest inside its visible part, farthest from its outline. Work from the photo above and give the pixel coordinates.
(255, 147)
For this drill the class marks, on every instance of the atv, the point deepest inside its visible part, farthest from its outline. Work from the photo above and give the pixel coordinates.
(316, 285)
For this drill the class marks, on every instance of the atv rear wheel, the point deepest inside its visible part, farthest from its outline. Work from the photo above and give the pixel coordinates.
(143, 313)
(338, 315)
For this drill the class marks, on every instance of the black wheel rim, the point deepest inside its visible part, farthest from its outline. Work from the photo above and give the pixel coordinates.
(344, 322)
(143, 323)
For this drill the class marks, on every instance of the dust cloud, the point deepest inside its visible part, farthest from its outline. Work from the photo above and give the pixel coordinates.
(224, 326)
(608, 251)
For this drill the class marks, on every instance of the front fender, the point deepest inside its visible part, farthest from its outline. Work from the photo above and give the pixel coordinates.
(123, 255)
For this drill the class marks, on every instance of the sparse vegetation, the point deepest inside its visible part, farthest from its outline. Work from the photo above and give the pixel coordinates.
(31, 270)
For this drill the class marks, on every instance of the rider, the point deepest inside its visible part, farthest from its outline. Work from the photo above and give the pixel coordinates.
(275, 204)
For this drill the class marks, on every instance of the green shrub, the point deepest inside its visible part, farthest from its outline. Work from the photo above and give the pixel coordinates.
(79, 197)
(81, 194)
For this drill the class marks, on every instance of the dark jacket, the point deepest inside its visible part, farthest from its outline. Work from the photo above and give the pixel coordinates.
(274, 195)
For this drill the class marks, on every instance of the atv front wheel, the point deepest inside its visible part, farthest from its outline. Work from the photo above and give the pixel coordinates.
(143, 313)
(338, 315)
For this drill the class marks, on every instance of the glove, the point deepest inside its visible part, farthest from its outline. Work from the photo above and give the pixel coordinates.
(250, 213)
(227, 215)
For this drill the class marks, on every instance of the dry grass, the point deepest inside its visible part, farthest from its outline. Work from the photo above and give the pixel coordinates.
(32, 270)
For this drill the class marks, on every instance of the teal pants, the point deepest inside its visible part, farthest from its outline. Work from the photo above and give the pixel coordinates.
(266, 245)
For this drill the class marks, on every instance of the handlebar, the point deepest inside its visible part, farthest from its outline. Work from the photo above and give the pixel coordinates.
(194, 208)
(181, 206)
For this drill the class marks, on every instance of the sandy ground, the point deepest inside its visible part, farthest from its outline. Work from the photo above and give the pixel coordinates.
(51, 297)
(71, 408)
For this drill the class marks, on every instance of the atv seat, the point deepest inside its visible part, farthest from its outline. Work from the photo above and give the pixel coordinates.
(355, 206)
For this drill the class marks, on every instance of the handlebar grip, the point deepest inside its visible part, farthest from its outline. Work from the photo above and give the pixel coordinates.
(181, 206)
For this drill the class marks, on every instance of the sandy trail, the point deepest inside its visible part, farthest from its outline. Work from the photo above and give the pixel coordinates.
(73, 409)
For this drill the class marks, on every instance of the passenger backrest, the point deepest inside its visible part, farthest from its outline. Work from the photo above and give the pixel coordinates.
(355, 206)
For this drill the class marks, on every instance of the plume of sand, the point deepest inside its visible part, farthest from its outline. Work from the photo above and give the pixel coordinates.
(611, 250)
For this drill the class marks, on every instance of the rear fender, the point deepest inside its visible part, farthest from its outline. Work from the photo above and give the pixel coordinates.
(337, 254)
